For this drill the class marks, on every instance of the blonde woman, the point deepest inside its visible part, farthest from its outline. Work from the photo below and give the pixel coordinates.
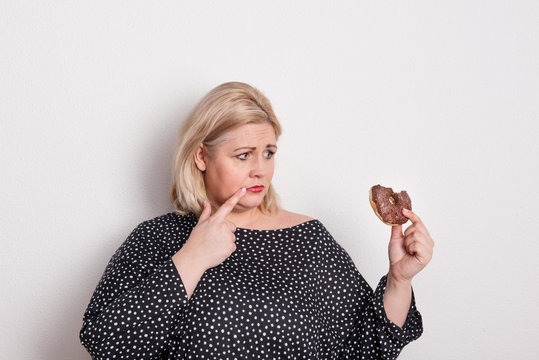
(232, 275)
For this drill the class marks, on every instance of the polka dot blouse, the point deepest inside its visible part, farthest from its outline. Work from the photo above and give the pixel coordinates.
(290, 293)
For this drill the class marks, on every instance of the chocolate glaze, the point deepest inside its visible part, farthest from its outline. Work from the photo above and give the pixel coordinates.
(391, 212)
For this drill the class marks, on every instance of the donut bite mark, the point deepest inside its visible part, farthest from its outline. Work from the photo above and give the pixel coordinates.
(388, 205)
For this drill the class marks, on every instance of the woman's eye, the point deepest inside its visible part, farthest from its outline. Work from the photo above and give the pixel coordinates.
(267, 154)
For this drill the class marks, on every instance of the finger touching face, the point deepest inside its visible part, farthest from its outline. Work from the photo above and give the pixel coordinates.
(230, 204)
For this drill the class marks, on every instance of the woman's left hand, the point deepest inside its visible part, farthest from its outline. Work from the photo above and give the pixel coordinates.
(410, 252)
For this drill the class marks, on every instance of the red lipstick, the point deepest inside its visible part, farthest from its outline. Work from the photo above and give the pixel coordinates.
(256, 188)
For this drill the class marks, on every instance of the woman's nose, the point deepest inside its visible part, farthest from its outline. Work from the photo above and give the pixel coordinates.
(257, 168)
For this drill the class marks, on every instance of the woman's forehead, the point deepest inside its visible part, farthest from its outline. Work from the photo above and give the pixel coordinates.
(250, 134)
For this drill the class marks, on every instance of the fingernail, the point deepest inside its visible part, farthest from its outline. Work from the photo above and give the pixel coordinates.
(243, 189)
(405, 210)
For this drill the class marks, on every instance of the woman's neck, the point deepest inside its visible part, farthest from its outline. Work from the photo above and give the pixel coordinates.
(246, 218)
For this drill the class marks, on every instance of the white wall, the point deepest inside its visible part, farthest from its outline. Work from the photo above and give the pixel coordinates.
(438, 98)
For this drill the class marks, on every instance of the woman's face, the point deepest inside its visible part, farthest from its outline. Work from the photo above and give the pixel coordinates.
(243, 159)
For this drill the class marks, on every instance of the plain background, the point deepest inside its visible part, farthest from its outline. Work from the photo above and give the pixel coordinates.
(438, 98)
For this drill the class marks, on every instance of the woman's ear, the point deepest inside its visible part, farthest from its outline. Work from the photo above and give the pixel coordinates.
(200, 158)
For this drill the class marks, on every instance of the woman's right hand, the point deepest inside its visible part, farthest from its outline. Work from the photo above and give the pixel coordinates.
(212, 240)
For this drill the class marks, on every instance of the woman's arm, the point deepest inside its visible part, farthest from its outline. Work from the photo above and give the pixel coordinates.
(211, 242)
(137, 303)
(409, 253)
(355, 313)
(385, 320)
(374, 336)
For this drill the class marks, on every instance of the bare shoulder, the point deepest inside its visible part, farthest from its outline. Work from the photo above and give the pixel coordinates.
(288, 218)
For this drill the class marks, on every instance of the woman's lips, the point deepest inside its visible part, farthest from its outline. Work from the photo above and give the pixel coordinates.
(257, 188)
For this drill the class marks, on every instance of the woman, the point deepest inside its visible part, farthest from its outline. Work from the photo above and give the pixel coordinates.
(232, 275)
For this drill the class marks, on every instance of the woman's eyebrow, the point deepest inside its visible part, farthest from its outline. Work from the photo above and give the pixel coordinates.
(254, 147)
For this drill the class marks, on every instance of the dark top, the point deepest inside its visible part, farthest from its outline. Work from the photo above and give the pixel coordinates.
(290, 293)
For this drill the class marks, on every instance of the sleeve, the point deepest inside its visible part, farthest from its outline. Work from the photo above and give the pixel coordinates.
(137, 303)
(373, 335)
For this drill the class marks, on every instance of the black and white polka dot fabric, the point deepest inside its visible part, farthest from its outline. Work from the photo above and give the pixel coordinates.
(290, 293)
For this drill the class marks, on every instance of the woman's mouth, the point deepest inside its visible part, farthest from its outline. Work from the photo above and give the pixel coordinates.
(256, 188)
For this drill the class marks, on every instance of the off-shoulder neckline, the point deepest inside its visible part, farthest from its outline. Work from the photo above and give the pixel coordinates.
(280, 229)
(262, 230)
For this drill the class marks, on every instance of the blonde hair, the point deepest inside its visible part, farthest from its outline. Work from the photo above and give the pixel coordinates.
(224, 108)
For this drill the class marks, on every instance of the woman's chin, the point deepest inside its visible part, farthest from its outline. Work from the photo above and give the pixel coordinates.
(249, 204)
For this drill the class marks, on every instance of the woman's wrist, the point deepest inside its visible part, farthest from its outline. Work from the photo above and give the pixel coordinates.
(397, 299)
(396, 282)
(186, 260)
(189, 268)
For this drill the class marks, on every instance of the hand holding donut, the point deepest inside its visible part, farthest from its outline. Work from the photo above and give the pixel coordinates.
(409, 252)
(212, 240)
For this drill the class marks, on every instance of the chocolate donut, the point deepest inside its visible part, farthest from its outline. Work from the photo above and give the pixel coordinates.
(388, 205)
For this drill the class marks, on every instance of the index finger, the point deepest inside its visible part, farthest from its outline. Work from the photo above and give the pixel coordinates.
(413, 217)
(228, 206)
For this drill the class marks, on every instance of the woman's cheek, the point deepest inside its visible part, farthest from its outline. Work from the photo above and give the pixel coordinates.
(239, 177)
